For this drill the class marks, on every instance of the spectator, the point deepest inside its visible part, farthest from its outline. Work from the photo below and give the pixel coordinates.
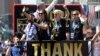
(96, 43)
(13, 49)
(3, 48)
(87, 29)
(88, 32)
(0, 44)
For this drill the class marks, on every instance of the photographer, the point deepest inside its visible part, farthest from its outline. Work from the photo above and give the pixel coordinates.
(13, 48)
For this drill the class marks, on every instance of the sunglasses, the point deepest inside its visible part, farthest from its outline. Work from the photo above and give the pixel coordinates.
(41, 13)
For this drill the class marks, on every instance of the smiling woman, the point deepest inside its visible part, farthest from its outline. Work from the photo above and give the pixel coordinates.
(43, 26)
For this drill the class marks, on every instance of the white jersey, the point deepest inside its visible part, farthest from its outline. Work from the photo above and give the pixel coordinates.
(30, 31)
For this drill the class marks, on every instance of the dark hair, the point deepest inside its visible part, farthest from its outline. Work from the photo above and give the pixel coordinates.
(46, 18)
(45, 14)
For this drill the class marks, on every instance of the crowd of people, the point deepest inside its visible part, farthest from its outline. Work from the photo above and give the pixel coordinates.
(57, 28)
(40, 27)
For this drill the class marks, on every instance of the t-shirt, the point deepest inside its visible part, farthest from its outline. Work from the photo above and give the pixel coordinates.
(15, 51)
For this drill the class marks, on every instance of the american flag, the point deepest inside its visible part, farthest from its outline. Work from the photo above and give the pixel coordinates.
(85, 10)
(91, 15)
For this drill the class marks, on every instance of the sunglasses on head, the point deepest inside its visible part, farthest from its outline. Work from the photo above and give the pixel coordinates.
(74, 14)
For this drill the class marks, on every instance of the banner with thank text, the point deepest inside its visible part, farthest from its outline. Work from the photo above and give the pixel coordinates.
(57, 48)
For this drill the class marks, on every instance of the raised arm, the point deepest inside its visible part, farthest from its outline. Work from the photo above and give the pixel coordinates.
(44, 27)
(28, 16)
(67, 11)
(51, 6)
(83, 18)
(25, 30)
(95, 36)
(8, 51)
